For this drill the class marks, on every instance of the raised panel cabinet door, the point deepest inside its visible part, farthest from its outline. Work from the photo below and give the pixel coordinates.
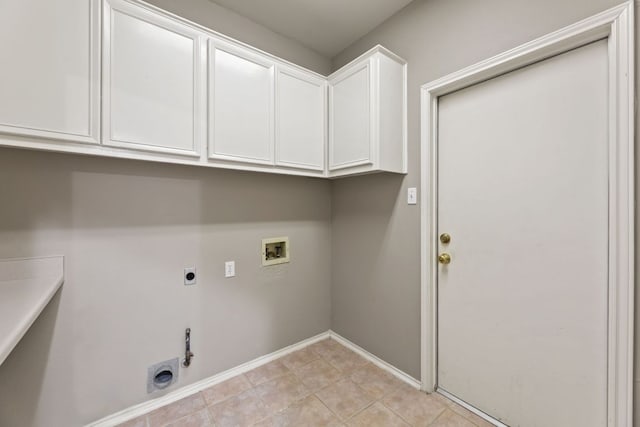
(350, 118)
(49, 78)
(241, 105)
(152, 81)
(300, 120)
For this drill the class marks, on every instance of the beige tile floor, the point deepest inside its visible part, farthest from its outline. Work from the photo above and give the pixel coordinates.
(324, 384)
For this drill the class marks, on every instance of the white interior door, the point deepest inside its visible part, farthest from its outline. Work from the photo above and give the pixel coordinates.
(523, 192)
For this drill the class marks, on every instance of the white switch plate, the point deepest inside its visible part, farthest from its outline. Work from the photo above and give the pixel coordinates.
(230, 269)
(412, 196)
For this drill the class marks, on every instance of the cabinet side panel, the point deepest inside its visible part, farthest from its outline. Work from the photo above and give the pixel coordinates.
(392, 115)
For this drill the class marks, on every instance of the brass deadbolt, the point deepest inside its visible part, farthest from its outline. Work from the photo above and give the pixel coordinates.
(444, 258)
(445, 238)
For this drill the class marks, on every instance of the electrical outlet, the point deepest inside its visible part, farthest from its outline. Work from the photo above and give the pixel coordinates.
(190, 276)
(230, 269)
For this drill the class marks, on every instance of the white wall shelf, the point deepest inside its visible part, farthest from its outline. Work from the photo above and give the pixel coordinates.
(26, 287)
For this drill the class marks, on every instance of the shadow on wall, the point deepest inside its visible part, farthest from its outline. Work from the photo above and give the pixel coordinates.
(366, 206)
(48, 190)
(375, 277)
(33, 352)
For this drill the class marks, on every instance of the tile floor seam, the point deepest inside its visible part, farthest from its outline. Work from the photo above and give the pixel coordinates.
(329, 409)
(369, 383)
(439, 415)
(327, 406)
(397, 414)
(355, 414)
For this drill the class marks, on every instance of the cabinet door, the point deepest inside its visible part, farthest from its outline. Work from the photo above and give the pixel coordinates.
(240, 104)
(152, 81)
(350, 117)
(49, 78)
(300, 120)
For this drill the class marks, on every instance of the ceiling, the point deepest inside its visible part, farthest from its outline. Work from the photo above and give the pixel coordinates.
(326, 26)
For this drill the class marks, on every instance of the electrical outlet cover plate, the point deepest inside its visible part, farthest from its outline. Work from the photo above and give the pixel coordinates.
(275, 250)
(190, 276)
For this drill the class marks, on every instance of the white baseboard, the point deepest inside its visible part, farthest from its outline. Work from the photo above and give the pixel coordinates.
(377, 361)
(174, 396)
(181, 393)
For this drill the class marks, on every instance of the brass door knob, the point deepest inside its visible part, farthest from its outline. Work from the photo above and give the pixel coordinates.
(445, 238)
(444, 258)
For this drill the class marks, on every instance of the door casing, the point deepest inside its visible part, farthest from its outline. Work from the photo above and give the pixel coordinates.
(615, 25)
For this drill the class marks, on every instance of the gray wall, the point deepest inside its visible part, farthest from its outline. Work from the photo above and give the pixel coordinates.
(376, 235)
(229, 23)
(127, 230)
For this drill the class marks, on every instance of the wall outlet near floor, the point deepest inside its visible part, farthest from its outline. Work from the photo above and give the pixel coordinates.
(230, 269)
(190, 276)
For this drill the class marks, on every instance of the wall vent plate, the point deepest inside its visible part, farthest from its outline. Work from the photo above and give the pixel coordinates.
(275, 250)
(162, 375)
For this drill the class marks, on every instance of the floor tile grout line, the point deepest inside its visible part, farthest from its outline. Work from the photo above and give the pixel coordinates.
(329, 409)
(343, 374)
(439, 415)
(358, 412)
(397, 414)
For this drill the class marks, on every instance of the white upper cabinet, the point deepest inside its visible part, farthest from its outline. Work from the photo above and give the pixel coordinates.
(300, 119)
(49, 77)
(153, 81)
(367, 115)
(350, 115)
(241, 104)
(123, 78)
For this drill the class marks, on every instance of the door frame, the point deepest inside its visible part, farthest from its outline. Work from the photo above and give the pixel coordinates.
(615, 25)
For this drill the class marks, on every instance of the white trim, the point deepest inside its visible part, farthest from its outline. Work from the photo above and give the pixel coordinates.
(616, 24)
(181, 393)
(224, 38)
(470, 408)
(402, 376)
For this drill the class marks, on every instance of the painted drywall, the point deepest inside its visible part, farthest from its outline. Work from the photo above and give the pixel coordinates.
(227, 22)
(127, 229)
(376, 235)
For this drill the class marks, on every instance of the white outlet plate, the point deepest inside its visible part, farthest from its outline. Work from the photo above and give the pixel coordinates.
(186, 273)
(230, 269)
